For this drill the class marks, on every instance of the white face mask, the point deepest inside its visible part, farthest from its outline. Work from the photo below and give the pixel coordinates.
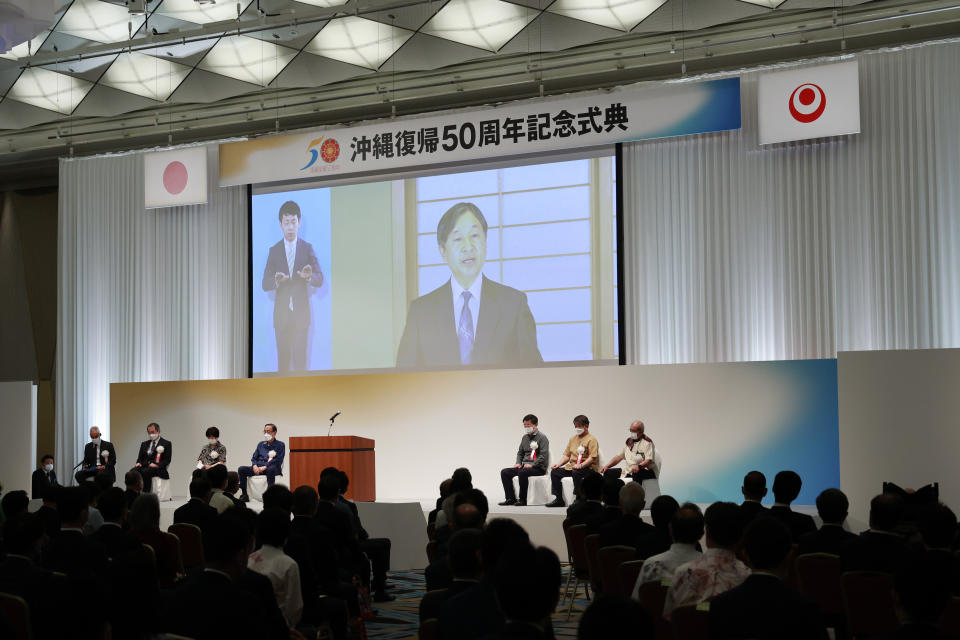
(48, 468)
(631, 435)
(96, 440)
(578, 431)
(212, 441)
(267, 437)
(528, 430)
(153, 436)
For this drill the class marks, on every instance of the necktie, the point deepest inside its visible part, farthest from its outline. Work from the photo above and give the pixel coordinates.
(291, 256)
(465, 329)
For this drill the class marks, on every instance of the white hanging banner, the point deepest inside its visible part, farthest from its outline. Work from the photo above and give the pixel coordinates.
(175, 178)
(572, 121)
(812, 102)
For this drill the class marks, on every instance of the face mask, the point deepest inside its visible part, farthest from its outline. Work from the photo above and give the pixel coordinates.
(48, 468)
(212, 441)
(154, 436)
(578, 431)
(528, 430)
(632, 436)
(267, 437)
(96, 440)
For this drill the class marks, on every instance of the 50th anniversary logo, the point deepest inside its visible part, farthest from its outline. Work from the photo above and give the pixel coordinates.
(329, 150)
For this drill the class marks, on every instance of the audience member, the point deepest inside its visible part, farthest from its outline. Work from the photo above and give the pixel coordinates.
(717, 569)
(336, 521)
(754, 490)
(611, 616)
(43, 477)
(686, 528)
(144, 520)
(233, 485)
(629, 529)
(832, 505)
(197, 510)
(659, 540)
(921, 593)
(273, 529)
(48, 513)
(938, 528)
(217, 476)
(879, 548)
(611, 506)
(114, 539)
(527, 584)
(444, 493)
(70, 551)
(588, 503)
(14, 503)
(463, 562)
(94, 519)
(461, 480)
(133, 482)
(786, 488)
(763, 607)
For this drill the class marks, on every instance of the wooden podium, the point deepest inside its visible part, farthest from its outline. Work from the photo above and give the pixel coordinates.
(311, 455)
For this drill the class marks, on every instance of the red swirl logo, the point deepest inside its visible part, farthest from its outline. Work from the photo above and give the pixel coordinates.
(807, 103)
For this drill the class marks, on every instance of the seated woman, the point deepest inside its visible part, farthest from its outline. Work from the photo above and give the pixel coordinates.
(213, 453)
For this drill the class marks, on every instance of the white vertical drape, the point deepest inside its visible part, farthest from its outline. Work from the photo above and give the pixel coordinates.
(144, 295)
(735, 251)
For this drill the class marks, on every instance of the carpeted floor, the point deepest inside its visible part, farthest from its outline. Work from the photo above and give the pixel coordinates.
(398, 619)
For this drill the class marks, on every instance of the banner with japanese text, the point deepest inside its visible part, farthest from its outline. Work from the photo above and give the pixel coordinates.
(543, 125)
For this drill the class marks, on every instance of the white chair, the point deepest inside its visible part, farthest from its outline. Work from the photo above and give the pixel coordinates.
(161, 488)
(256, 486)
(567, 483)
(651, 486)
(538, 488)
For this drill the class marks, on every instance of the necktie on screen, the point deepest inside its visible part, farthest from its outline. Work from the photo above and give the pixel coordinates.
(291, 255)
(465, 329)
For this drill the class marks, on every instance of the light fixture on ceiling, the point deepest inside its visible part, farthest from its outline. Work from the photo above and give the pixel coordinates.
(769, 4)
(622, 15)
(137, 7)
(145, 75)
(201, 13)
(485, 24)
(49, 90)
(26, 49)
(358, 41)
(247, 59)
(99, 21)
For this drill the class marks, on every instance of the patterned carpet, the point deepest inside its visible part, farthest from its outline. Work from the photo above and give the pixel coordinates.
(398, 620)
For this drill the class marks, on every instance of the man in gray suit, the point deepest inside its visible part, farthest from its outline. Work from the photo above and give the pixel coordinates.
(469, 320)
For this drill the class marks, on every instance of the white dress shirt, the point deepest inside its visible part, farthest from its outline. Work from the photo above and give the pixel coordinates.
(219, 501)
(284, 576)
(474, 290)
(290, 248)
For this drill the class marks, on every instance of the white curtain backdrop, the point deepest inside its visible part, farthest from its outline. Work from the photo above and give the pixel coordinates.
(735, 251)
(144, 295)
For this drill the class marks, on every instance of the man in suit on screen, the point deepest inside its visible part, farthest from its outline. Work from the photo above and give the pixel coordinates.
(469, 320)
(291, 270)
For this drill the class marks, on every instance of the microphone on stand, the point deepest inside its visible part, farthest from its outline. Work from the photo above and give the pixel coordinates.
(332, 418)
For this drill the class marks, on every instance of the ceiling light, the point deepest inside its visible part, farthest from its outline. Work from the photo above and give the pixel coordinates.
(615, 14)
(99, 21)
(201, 13)
(769, 4)
(143, 75)
(247, 59)
(49, 90)
(485, 24)
(26, 49)
(323, 3)
(358, 41)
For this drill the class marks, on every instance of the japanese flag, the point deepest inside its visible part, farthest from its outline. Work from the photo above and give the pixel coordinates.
(174, 178)
(813, 102)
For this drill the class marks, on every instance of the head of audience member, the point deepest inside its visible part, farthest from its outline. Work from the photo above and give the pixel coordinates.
(305, 501)
(499, 535)
(93, 492)
(527, 584)
(197, 473)
(153, 430)
(273, 527)
(832, 506)
(72, 507)
(462, 240)
(686, 525)
(767, 542)
(328, 489)
(885, 512)
(922, 591)
(112, 506)
(591, 488)
(581, 425)
(247, 518)
(530, 424)
(213, 435)
(23, 535)
(51, 495)
(133, 481)
(334, 473)
(233, 483)
(145, 513)
(344, 481)
(754, 486)
(723, 525)
(662, 510)
(95, 434)
(103, 480)
(474, 497)
(46, 463)
(938, 527)
(463, 553)
(611, 491)
(269, 432)
(217, 476)
(466, 516)
(226, 542)
(605, 617)
(14, 503)
(786, 486)
(200, 490)
(461, 480)
(632, 499)
(280, 497)
(445, 490)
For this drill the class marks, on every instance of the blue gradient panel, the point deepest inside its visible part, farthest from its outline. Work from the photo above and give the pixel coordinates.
(804, 439)
(718, 110)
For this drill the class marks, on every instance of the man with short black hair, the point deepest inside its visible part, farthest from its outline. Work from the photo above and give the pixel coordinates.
(43, 477)
(754, 490)
(218, 482)
(133, 482)
(14, 503)
(70, 551)
(763, 607)
(786, 488)
(532, 456)
(579, 459)
(230, 491)
(267, 460)
(527, 583)
(659, 540)
(273, 529)
(880, 548)
(463, 563)
(832, 505)
(111, 535)
(588, 505)
(686, 528)
(197, 510)
(611, 506)
(154, 457)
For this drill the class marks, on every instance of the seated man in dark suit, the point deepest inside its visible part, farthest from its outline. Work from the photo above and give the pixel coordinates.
(610, 616)
(469, 320)
(439, 574)
(754, 490)
(99, 456)
(154, 457)
(659, 540)
(832, 505)
(14, 503)
(786, 488)
(764, 607)
(527, 584)
(879, 548)
(629, 530)
(71, 552)
(114, 539)
(133, 482)
(197, 510)
(587, 505)
(332, 518)
(48, 513)
(463, 561)
(938, 529)
(43, 477)
(611, 506)
(233, 485)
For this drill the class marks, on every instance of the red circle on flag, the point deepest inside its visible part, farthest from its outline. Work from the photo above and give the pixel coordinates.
(807, 103)
(175, 177)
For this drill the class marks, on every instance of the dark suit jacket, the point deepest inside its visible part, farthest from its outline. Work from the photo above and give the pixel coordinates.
(40, 481)
(90, 457)
(432, 602)
(129, 495)
(50, 519)
(828, 539)
(115, 541)
(798, 523)
(260, 587)
(203, 597)
(471, 614)
(505, 331)
(74, 554)
(45, 593)
(164, 457)
(655, 542)
(295, 288)
(628, 530)
(195, 511)
(582, 511)
(874, 551)
(750, 510)
(336, 521)
(765, 608)
(605, 517)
